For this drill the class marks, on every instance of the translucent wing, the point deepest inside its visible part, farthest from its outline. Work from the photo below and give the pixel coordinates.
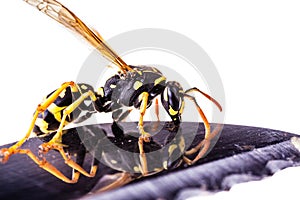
(63, 15)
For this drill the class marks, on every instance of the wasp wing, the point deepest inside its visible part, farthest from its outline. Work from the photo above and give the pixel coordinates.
(63, 15)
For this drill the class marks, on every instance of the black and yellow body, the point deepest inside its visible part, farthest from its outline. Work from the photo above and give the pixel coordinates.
(49, 120)
(117, 93)
(134, 87)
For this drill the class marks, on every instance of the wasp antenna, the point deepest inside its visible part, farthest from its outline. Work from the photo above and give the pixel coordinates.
(194, 89)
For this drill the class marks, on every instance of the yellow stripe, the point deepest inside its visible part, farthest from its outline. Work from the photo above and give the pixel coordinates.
(56, 111)
(172, 148)
(100, 92)
(62, 94)
(43, 125)
(172, 112)
(74, 89)
(84, 87)
(137, 85)
(113, 161)
(165, 165)
(154, 69)
(159, 80)
(136, 169)
(181, 144)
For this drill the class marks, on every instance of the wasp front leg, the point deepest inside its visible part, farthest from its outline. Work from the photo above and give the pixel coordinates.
(145, 137)
(173, 102)
(203, 147)
(144, 102)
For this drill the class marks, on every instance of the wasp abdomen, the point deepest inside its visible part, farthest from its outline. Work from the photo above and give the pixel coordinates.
(49, 120)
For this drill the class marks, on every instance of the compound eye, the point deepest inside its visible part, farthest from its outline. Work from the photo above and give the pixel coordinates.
(174, 98)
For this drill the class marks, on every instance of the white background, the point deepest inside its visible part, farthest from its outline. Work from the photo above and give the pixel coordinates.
(254, 45)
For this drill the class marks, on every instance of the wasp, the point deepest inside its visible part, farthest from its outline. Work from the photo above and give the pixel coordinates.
(133, 87)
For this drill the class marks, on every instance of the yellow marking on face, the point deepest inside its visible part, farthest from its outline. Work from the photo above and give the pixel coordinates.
(56, 111)
(139, 72)
(62, 94)
(172, 112)
(136, 169)
(182, 107)
(100, 92)
(172, 148)
(113, 161)
(112, 86)
(84, 87)
(159, 80)
(137, 85)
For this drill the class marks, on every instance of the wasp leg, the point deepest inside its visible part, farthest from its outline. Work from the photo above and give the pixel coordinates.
(205, 143)
(55, 142)
(145, 137)
(6, 153)
(120, 179)
(80, 155)
(212, 135)
(157, 110)
(44, 164)
(157, 122)
(93, 170)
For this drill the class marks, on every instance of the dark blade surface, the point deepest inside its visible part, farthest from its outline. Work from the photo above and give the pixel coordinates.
(252, 148)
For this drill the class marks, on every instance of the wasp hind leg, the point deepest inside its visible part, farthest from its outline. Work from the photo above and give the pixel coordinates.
(55, 142)
(7, 152)
(44, 164)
